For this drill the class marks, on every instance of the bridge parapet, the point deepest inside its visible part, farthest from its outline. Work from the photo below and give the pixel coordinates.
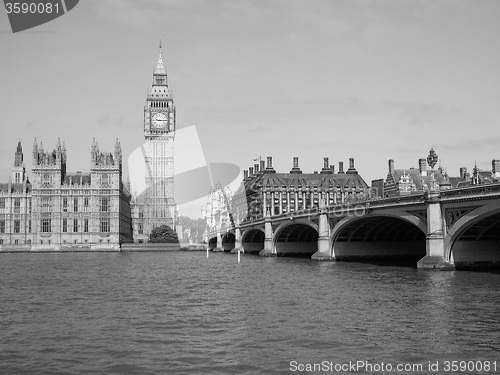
(474, 192)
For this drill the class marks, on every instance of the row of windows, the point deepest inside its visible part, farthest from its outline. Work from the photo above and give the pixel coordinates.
(46, 225)
(159, 105)
(17, 226)
(17, 203)
(75, 225)
(46, 204)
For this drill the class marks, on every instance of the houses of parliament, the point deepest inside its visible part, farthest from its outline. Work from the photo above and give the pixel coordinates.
(53, 209)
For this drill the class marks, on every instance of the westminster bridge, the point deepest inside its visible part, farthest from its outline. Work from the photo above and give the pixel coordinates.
(449, 229)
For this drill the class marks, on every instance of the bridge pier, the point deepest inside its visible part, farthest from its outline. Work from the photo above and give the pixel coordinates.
(237, 241)
(324, 243)
(435, 258)
(219, 247)
(268, 250)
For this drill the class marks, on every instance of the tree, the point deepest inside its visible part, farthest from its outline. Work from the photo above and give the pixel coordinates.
(163, 234)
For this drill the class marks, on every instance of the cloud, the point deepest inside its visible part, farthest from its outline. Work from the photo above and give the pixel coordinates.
(142, 14)
(423, 114)
(110, 121)
(478, 144)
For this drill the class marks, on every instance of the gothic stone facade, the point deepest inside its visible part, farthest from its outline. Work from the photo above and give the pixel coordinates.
(59, 210)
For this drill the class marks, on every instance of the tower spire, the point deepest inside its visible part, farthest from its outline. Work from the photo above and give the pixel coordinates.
(160, 68)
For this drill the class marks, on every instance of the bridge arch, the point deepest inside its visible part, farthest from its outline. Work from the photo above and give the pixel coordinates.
(398, 237)
(228, 241)
(252, 240)
(212, 243)
(297, 238)
(474, 240)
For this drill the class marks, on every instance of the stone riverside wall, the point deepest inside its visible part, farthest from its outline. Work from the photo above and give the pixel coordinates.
(150, 246)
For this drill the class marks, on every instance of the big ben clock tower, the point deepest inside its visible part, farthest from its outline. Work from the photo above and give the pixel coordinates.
(159, 132)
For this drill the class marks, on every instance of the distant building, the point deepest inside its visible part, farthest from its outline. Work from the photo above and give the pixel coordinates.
(58, 210)
(412, 180)
(217, 211)
(479, 176)
(266, 191)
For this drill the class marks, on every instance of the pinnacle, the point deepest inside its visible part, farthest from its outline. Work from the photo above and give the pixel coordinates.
(160, 68)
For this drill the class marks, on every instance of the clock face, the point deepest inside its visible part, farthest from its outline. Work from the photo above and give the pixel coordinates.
(159, 120)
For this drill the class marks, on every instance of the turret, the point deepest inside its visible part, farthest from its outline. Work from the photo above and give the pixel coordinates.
(58, 151)
(18, 159)
(94, 150)
(35, 153)
(63, 153)
(118, 152)
(18, 171)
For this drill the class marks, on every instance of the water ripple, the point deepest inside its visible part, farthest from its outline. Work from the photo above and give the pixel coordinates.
(181, 313)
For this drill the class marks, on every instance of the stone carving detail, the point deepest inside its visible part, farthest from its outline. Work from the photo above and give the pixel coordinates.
(454, 214)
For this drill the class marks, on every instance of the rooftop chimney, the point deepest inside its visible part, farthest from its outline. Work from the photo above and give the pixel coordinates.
(463, 172)
(295, 168)
(269, 168)
(262, 165)
(250, 171)
(422, 166)
(391, 166)
(495, 168)
(256, 168)
(326, 167)
(351, 169)
(245, 174)
(341, 167)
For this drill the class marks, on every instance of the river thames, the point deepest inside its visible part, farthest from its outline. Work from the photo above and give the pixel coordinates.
(181, 313)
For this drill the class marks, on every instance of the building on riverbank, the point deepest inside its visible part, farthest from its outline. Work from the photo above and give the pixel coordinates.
(421, 179)
(60, 210)
(265, 191)
(54, 209)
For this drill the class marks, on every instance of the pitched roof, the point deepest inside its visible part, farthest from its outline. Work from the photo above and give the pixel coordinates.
(421, 182)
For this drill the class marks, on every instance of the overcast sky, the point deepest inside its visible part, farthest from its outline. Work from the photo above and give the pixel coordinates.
(372, 80)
